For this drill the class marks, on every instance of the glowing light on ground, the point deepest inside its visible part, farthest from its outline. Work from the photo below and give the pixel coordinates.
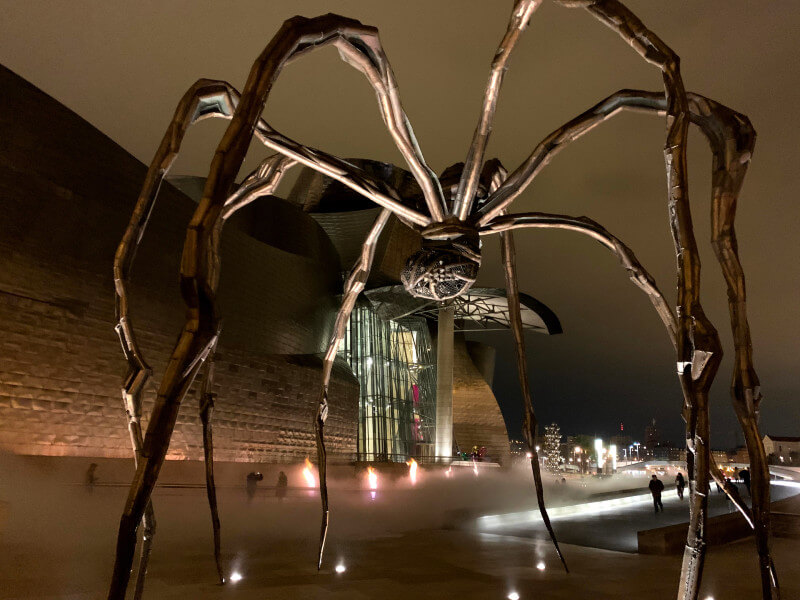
(449, 472)
(513, 596)
(236, 576)
(540, 566)
(309, 474)
(475, 467)
(372, 481)
(412, 471)
(340, 568)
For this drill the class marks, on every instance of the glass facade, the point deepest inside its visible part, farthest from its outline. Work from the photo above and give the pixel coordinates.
(396, 370)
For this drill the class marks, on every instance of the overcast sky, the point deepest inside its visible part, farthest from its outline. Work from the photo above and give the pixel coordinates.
(123, 66)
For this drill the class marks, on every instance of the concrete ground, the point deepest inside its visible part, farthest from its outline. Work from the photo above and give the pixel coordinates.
(57, 543)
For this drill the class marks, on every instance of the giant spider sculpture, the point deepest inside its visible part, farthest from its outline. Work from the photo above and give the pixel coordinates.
(469, 201)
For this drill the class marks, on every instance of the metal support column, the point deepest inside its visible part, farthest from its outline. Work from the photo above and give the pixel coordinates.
(444, 386)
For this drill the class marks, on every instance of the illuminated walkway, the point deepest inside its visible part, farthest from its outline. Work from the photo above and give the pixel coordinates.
(614, 527)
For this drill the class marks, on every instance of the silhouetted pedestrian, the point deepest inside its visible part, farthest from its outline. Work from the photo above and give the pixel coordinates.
(252, 483)
(745, 475)
(91, 476)
(280, 488)
(680, 484)
(731, 487)
(656, 487)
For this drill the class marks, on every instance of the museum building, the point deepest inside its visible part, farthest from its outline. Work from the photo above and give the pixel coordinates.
(66, 194)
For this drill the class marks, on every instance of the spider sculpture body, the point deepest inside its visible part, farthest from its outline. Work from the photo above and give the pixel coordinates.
(467, 202)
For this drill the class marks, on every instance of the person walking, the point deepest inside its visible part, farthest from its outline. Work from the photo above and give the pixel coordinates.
(252, 483)
(656, 487)
(745, 475)
(280, 488)
(680, 484)
(91, 477)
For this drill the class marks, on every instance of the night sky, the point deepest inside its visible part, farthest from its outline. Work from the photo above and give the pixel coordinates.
(123, 67)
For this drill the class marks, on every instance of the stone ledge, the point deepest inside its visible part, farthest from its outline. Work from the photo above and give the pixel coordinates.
(722, 529)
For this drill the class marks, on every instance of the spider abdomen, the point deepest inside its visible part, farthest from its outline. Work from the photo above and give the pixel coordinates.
(442, 269)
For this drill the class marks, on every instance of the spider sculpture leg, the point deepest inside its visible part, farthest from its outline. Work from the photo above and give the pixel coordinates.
(353, 287)
(264, 181)
(492, 175)
(190, 109)
(730, 165)
(531, 425)
(206, 411)
(699, 348)
(134, 412)
(472, 172)
(638, 275)
(360, 47)
(190, 352)
(732, 139)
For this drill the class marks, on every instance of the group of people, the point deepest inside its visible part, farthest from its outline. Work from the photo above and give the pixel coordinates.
(280, 487)
(656, 486)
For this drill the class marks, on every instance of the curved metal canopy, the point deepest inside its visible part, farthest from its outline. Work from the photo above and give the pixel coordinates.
(479, 309)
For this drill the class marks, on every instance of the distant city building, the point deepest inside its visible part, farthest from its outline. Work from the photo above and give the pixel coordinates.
(740, 455)
(669, 452)
(651, 437)
(720, 456)
(782, 450)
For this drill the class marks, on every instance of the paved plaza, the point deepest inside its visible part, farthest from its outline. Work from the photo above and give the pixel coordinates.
(58, 544)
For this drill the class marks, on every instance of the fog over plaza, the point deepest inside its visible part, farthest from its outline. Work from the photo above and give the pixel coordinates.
(614, 363)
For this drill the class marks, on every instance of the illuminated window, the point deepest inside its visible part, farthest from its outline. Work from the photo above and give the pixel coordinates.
(396, 371)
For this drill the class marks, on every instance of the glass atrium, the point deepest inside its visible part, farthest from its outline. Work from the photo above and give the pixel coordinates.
(396, 369)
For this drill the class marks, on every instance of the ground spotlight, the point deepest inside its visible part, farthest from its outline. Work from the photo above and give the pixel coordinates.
(340, 568)
(513, 596)
(236, 576)
(540, 566)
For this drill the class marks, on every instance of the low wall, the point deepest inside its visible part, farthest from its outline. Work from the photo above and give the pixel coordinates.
(723, 529)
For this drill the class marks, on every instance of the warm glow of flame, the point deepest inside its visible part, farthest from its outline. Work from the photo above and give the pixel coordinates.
(309, 474)
(412, 471)
(372, 478)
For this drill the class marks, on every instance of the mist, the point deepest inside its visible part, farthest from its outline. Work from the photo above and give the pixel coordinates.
(57, 535)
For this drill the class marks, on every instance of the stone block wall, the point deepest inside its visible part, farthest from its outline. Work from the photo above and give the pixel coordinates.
(66, 193)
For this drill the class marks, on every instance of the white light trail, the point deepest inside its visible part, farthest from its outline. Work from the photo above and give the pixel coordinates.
(586, 508)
